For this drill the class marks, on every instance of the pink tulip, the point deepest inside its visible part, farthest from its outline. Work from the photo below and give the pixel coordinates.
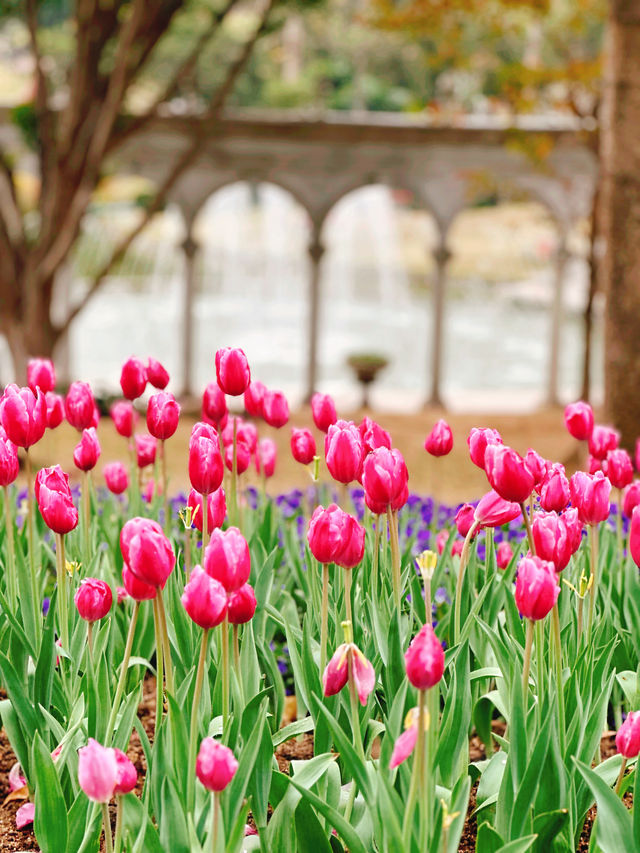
(537, 588)
(637, 455)
(25, 815)
(441, 541)
(404, 745)
(538, 467)
(352, 550)
(216, 765)
(344, 451)
(590, 495)
(424, 659)
(205, 461)
(9, 463)
(97, 771)
(137, 589)
(24, 415)
(504, 555)
(325, 533)
(552, 540)
(227, 558)
(54, 500)
(93, 599)
(303, 446)
(456, 548)
(124, 417)
(630, 500)
(163, 412)
(216, 504)
(628, 736)
(145, 450)
(41, 374)
(246, 432)
(384, 475)
(578, 419)
(243, 457)
(87, 451)
(275, 408)
(403, 496)
(439, 442)
(336, 673)
(232, 371)
(55, 409)
(147, 551)
(253, 399)
(554, 490)
(465, 518)
(494, 511)
(204, 599)
(133, 378)
(508, 473)
(602, 440)
(121, 594)
(214, 404)
(478, 441)
(79, 405)
(157, 375)
(266, 456)
(373, 435)
(619, 468)
(116, 477)
(323, 411)
(127, 775)
(634, 536)
(242, 605)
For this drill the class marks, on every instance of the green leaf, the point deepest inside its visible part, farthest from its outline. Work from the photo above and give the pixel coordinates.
(336, 820)
(294, 729)
(489, 840)
(50, 823)
(518, 846)
(173, 826)
(347, 753)
(548, 826)
(614, 831)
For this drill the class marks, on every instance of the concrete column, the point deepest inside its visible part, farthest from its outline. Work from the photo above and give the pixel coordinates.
(562, 255)
(441, 256)
(190, 247)
(316, 251)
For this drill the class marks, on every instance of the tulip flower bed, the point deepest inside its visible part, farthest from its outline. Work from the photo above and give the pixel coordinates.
(405, 630)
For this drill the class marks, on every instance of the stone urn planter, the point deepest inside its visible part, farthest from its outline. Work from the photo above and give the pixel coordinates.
(366, 367)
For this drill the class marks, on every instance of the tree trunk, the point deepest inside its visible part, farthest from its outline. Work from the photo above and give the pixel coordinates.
(30, 333)
(620, 157)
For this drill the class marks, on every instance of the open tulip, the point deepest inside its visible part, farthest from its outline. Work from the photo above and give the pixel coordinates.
(578, 419)
(303, 446)
(87, 451)
(24, 415)
(406, 743)
(537, 588)
(253, 398)
(41, 374)
(323, 411)
(232, 371)
(133, 378)
(439, 442)
(275, 408)
(204, 599)
(79, 406)
(344, 451)
(163, 413)
(424, 659)
(157, 375)
(227, 558)
(93, 599)
(336, 674)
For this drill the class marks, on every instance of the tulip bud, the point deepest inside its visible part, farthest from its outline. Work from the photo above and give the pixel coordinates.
(352, 549)
(344, 451)
(127, 775)
(145, 450)
(216, 765)
(373, 435)
(232, 371)
(574, 527)
(253, 398)
(214, 404)
(24, 415)
(323, 411)
(303, 446)
(93, 599)
(628, 736)
(424, 659)
(205, 461)
(87, 451)
(590, 495)
(41, 374)
(578, 419)
(97, 771)
(243, 457)
(478, 441)
(55, 503)
(124, 417)
(552, 540)
(537, 588)
(79, 405)
(266, 456)
(242, 605)
(554, 490)
(163, 412)
(508, 473)
(456, 548)
(137, 589)
(147, 551)
(133, 378)
(384, 475)
(602, 440)
(55, 409)
(336, 673)
(246, 432)
(630, 500)
(116, 477)
(494, 511)
(441, 540)
(217, 506)
(9, 463)
(465, 518)
(121, 594)
(275, 408)
(227, 558)
(619, 468)
(157, 375)
(439, 442)
(204, 599)
(504, 555)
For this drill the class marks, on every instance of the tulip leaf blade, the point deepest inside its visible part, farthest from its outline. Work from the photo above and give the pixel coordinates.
(614, 829)
(50, 821)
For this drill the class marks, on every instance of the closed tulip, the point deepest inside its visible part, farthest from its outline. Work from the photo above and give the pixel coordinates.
(439, 442)
(216, 765)
(554, 490)
(246, 432)
(323, 411)
(116, 477)
(217, 506)
(227, 558)
(163, 413)
(537, 588)
(325, 533)
(575, 527)
(266, 457)
(344, 451)
(133, 378)
(146, 447)
(9, 463)
(214, 404)
(55, 503)
(628, 736)
(578, 419)
(336, 673)
(242, 605)
(157, 375)
(93, 599)
(204, 599)
(243, 457)
(352, 536)
(504, 555)
(634, 536)
(630, 500)
(87, 451)
(384, 475)
(552, 540)
(602, 440)
(508, 473)
(137, 589)
(55, 409)
(398, 502)
(424, 659)
(590, 495)
(232, 371)
(147, 551)
(97, 771)
(41, 374)
(79, 405)
(373, 435)
(205, 464)
(619, 468)
(465, 518)
(124, 418)
(24, 415)
(253, 399)
(538, 467)
(303, 445)
(127, 775)
(275, 408)
(478, 441)
(494, 511)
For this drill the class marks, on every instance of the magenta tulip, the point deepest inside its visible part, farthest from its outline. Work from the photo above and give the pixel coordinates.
(137, 589)
(590, 495)
(552, 540)
(87, 451)
(275, 408)
(266, 456)
(619, 468)
(243, 457)
(253, 398)
(116, 477)
(205, 461)
(303, 446)
(352, 536)
(504, 555)
(323, 411)
(124, 417)
(384, 475)
(537, 588)
(9, 463)
(373, 435)
(242, 605)
(24, 415)
(439, 442)
(554, 490)
(578, 419)
(217, 506)
(55, 409)
(214, 404)
(465, 518)
(147, 551)
(602, 440)
(79, 405)
(133, 378)
(126, 776)
(216, 765)
(41, 374)
(232, 371)
(628, 736)
(227, 558)
(336, 673)
(93, 599)
(630, 500)
(97, 771)
(479, 439)
(508, 473)
(204, 599)
(634, 536)
(55, 503)
(163, 413)
(424, 659)
(344, 451)
(146, 447)
(157, 375)
(494, 511)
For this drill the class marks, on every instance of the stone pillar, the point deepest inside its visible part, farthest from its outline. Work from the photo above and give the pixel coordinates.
(316, 251)
(562, 255)
(441, 256)
(190, 247)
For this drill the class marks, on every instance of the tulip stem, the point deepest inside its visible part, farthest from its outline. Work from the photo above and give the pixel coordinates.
(464, 559)
(555, 618)
(108, 841)
(193, 731)
(215, 822)
(225, 675)
(417, 774)
(168, 668)
(86, 517)
(159, 668)
(527, 661)
(353, 700)
(623, 767)
(187, 554)
(324, 618)
(32, 548)
(392, 524)
(12, 580)
(347, 594)
(234, 476)
(118, 838)
(376, 557)
(527, 524)
(593, 541)
(63, 615)
(540, 666)
(236, 648)
(205, 522)
(163, 483)
(619, 530)
(124, 668)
